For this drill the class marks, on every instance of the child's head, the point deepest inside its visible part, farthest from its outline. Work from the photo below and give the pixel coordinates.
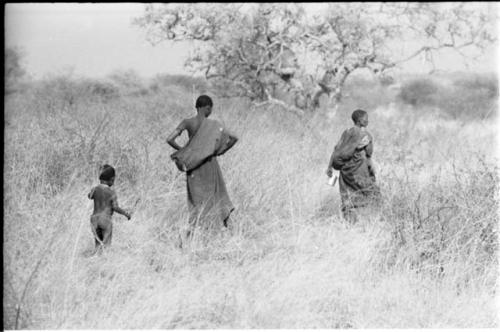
(360, 118)
(204, 105)
(107, 174)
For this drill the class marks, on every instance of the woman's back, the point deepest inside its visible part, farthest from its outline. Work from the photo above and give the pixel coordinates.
(192, 125)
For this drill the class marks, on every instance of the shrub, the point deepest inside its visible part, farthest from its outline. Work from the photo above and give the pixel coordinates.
(59, 93)
(458, 95)
(386, 80)
(102, 90)
(13, 69)
(363, 93)
(419, 92)
(482, 82)
(447, 224)
(128, 82)
(185, 82)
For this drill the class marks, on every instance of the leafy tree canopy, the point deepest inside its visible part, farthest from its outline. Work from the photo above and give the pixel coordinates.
(289, 55)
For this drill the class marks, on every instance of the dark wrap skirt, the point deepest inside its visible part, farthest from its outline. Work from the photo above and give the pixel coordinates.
(208, 200)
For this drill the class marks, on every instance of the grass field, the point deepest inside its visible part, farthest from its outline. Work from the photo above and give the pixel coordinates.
(427, 258)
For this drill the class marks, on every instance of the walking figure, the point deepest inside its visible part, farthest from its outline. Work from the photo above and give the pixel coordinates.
(208, 200)
(352, 157)
(105, 203)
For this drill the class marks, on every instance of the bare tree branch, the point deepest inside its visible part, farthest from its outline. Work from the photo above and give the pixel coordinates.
(259, 52)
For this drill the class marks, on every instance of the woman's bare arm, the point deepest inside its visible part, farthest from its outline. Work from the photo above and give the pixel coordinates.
(173, 136)
(231, 141)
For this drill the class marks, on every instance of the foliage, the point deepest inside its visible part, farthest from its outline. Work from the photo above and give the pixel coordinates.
(128, 81)
(459, 95)
(13, 68)
(66, 92)
(443, 228)
(487, 83)
(185, 82)
(288, 55)
(418, 92)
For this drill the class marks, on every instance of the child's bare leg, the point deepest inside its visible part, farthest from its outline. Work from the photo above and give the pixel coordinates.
(107, 235)
(97, 231)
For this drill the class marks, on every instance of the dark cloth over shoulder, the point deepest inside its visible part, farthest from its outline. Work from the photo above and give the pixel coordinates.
(346, 148)
(210, 139)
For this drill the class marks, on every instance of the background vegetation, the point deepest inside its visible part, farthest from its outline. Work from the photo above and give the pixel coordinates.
(293, 55)
(427, 258)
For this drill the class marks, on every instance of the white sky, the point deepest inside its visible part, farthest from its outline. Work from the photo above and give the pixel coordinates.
(90, 39)
(93, 39)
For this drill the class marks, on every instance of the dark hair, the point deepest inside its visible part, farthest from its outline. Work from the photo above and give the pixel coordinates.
(204, 100)
(358, 114)
(107, 172)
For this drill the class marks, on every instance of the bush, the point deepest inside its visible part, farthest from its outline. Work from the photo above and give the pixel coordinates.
(487, 83)
(458, 95)
(62, 92)
(103, 90)
(386, 80)
(447, 224)
(367, 94)
(13, 69)
(419, 92)
(128, 82)
(185, 82)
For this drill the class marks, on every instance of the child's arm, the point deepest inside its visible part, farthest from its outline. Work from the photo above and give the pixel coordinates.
(118, 209)
(91, 193)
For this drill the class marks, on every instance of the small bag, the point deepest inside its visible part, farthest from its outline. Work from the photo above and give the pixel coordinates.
(332, 180)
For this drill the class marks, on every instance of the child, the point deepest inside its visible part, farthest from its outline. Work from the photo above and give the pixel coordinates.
(105, 203)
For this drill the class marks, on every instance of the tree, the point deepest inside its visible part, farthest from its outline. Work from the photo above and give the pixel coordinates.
(288, 55)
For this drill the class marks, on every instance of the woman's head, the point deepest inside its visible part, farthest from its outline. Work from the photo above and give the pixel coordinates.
(204, 105)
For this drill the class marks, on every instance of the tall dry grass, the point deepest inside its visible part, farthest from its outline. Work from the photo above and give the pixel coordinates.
(426, 258)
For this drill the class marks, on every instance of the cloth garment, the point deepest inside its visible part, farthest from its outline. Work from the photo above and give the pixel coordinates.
(208, 200)
(352, 157)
